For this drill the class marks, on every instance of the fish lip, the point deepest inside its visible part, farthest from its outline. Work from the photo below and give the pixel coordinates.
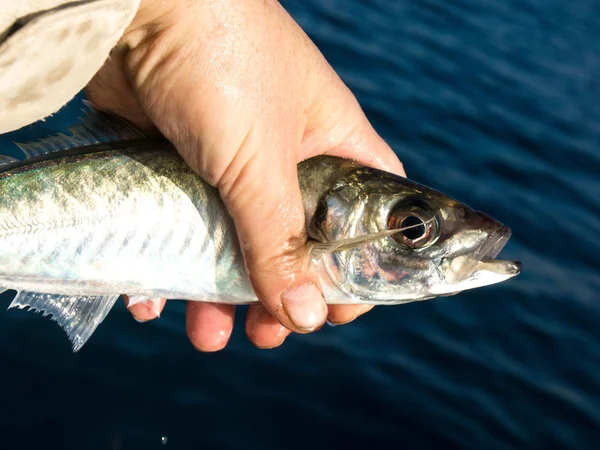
(484, 256)
(491, 249)
(480, 268)
(494, 244)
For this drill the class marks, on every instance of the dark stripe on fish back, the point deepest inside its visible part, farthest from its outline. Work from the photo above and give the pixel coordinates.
(15, 167)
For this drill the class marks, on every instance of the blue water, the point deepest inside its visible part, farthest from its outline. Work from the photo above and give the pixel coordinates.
(494, 102)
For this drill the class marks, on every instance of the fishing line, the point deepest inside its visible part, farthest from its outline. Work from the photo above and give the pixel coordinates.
(317, 249)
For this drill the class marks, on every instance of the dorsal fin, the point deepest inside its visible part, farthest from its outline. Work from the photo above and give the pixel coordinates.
(96, 127)
(5, 159)
(105, 126)
(79, 316)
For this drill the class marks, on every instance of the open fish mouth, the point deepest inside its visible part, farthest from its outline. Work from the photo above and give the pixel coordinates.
(495, 243)
(481, 268)
(491, 249)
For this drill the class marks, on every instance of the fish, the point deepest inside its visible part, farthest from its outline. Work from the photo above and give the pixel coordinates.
(106, 210)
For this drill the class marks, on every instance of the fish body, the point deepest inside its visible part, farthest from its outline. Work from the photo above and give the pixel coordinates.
(108, 211)
(136, 221)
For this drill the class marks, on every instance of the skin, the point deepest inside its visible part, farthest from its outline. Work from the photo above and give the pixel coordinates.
(244, 95)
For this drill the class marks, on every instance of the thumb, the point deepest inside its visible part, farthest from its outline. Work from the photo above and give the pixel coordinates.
(263, 196)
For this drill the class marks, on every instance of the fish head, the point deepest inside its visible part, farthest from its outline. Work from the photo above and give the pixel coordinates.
(443, 247)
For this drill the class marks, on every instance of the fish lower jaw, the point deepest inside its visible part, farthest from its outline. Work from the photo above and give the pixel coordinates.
(485, 273)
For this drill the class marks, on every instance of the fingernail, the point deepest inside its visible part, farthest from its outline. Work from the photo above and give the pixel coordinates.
(305, 306)
(138, 320)
(331, 324)
(155, 305)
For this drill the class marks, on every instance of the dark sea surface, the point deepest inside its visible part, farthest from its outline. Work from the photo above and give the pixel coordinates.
(496, 103)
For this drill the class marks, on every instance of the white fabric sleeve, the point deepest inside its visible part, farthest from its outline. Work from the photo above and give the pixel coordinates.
(50, 49)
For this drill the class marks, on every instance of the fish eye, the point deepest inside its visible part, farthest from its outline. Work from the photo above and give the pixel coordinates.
(421, 226)
(416, 228)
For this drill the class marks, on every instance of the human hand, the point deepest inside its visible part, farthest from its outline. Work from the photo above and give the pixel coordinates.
(244, 95)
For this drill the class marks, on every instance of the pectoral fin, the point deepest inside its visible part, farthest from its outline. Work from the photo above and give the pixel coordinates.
(78, 316)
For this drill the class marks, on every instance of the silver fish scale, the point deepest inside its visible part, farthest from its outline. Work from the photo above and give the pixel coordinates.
(118, 222)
